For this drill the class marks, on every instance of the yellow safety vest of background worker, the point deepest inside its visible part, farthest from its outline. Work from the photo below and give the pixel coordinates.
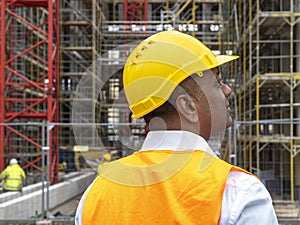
(13, 176)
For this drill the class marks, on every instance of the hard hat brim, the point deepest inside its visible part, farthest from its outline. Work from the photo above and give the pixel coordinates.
(222, 59)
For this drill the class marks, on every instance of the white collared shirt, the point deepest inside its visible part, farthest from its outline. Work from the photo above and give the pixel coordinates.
(245, 201)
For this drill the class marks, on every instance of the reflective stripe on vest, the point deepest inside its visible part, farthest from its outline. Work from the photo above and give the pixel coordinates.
(158, 187)
(13, 184)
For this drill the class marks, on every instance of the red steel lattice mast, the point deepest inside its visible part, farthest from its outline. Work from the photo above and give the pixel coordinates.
(29, 81)
(135, 10)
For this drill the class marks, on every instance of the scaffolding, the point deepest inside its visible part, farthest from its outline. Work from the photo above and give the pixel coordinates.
(141, 18)
(81, 42)
(266, 36)
(121, 25)
(95, 38)
(125, 23)
(29, 82)
(57, 57)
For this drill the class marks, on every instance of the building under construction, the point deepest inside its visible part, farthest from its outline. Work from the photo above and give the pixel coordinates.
(265, 34)
(61, 81)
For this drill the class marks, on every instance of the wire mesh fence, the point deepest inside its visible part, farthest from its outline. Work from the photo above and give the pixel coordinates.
(41, 197)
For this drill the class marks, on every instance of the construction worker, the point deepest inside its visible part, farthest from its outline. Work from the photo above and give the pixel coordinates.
(172, 80)
(13, 176)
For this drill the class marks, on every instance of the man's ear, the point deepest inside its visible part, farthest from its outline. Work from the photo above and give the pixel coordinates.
(186, 108)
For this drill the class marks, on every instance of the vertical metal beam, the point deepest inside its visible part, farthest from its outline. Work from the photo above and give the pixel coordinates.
(43, 166)
(250, 86)
(48, 175)
(56, 86)
(257, 88)
(194, 19)
(94, 54)
(236, 22)
(50, 74)
(244, 100)
(235, 132)
(257, 37)
(146, 11)
(257, 125)
(292, 22)
(2, 82)
(220, 17)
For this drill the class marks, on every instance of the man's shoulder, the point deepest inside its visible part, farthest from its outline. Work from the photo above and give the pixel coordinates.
(242, 180)
(246, 201)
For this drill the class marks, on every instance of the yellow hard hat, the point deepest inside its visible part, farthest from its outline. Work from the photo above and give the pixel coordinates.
(159, 63)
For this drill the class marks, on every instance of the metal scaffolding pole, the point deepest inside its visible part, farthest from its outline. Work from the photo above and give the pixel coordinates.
(2, 82)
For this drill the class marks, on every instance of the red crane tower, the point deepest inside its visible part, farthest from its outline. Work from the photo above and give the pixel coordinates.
(29, 82)
(135, 10)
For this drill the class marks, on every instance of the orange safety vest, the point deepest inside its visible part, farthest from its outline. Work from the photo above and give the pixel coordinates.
(158, 187)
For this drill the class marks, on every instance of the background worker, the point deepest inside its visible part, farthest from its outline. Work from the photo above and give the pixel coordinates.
(172, 80)
(13, 176)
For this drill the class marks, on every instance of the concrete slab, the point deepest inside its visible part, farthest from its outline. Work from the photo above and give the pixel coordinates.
(29, 205)
(4, 197)
(44, 222)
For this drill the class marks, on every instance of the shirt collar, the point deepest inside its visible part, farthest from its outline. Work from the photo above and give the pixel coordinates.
(175, 140)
